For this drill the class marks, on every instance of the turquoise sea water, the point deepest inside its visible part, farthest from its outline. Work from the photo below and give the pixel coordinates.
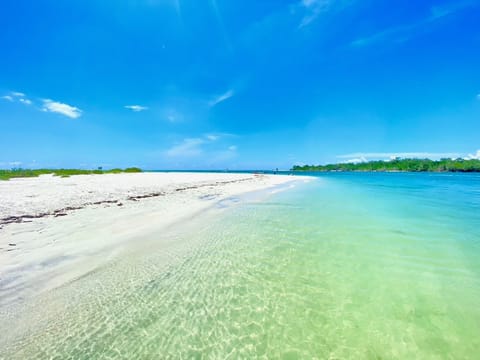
(349, 266)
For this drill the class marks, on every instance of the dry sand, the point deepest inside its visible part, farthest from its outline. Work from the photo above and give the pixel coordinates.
(53, 230)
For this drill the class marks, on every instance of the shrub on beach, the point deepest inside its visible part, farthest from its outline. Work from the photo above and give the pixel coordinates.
(132, 170)
(115, 171)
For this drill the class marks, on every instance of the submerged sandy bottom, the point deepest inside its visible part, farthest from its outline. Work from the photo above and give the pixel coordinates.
(54, 230)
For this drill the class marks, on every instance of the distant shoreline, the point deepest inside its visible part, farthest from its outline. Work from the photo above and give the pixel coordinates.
(386, 171)
(29, 173)
(398, 165)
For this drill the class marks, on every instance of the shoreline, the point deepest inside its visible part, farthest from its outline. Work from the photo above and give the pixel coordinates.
(68, 208)
(55, 230)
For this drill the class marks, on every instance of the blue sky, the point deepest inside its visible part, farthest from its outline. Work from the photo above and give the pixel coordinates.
(214, 84)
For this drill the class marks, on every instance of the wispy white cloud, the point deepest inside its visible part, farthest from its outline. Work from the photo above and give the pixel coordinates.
(403, 32)
(475, 156)
(221, 98)
(25, 101)
(189, 147)
(14, 96)
(381, 35)
(450, 8)
(218, 15)
(313, 9)
(355, 160)
(390, 155)
(196, 146)
(136, 108)
(61, 108)
(212, 137)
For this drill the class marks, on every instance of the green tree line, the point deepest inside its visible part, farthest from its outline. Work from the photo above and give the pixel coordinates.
(410, 165)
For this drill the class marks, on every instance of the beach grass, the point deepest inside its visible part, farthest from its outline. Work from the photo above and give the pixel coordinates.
(23, 173)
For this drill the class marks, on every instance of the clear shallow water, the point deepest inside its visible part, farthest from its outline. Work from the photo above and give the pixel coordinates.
(351, 266)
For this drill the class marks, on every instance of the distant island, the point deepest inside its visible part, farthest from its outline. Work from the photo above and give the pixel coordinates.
(400, 165)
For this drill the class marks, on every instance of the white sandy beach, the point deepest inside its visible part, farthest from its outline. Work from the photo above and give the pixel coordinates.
(53, 230)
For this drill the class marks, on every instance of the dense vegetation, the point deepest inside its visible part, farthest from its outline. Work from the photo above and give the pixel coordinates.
(19, 173)
(414, 165)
